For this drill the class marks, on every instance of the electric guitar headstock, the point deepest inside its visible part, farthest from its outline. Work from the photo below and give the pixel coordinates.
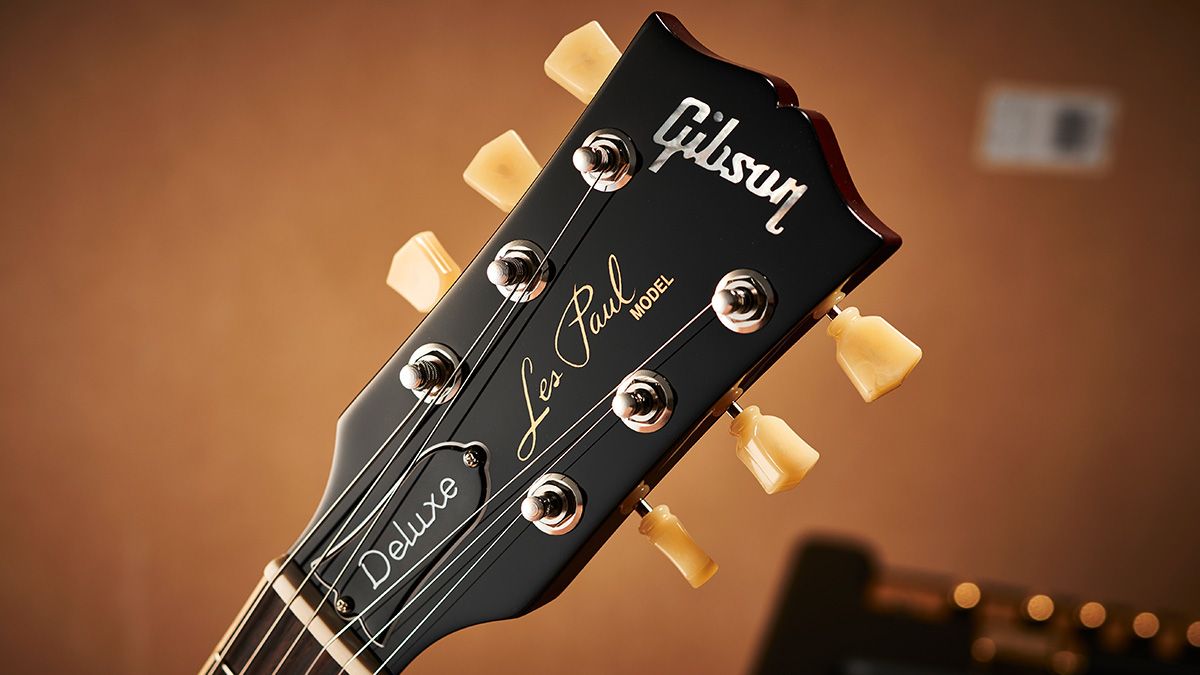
(694, 223)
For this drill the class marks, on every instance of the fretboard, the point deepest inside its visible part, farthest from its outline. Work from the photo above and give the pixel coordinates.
(263, 638)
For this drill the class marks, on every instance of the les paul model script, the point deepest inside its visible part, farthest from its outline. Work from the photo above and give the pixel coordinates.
(694, 224)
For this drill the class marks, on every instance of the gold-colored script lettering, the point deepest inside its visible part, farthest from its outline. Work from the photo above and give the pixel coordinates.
(578, 308)
(545, 389)
(583, 319)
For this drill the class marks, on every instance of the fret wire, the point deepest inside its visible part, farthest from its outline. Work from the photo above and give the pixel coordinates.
(366, 610)
(366, 527)
(422, 401)
(261, 593)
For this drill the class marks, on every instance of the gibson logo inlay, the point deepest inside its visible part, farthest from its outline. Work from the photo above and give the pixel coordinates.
(410, 533)
(741, 167)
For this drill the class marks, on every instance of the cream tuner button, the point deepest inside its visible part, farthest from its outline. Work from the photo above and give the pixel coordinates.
(664, 530)
(502, 170)
(873, 354)
(776, 456)
(582, 60)
(422, 271)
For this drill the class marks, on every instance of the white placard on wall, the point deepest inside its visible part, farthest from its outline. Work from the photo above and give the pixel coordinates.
(1046, 128)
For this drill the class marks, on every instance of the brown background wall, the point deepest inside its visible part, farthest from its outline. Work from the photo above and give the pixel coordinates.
(200, 202)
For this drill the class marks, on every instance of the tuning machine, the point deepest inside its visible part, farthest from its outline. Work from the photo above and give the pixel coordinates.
(502, 170)
(644, 401)
(871, 352)
(422, 271)
(775, 455)
(668, 535)
(434, 373)
(743, 301)
(606, 160)
(582, 61)
(520, 270)
(554, 504)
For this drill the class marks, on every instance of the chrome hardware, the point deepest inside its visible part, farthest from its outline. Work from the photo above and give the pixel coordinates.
(644, 401)
(428, 373)
(472, 458)
(599, 158)
(554, 503)
(744, 301)
(512, 272)
(606, 160)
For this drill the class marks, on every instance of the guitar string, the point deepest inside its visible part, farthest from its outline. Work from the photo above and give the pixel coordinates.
(236, 632)
(334, 544)
(552, 465)
(416, 457)
(367, 610)
(366, 528)
(375, 637)
(424, 400)
(465, 573)
(258, 597)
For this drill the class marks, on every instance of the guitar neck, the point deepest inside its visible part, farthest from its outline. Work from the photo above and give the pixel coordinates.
(636, 299)
(273, 639)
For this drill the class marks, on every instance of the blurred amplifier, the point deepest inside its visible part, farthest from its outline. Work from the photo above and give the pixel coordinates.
(841, 614)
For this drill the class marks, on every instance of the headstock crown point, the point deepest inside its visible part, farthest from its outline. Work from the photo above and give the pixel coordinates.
(777, 457)
(582, 60)
(422, 271)
(873, 354)
(502, 170)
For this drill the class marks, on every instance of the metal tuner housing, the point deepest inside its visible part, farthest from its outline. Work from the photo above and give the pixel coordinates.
(607, 160)
(744, 301)
(644, 401)
(520, 271)
(554, 504)
(434, 373)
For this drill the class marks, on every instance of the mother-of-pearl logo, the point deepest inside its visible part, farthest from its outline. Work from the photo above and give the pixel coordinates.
(741, 167)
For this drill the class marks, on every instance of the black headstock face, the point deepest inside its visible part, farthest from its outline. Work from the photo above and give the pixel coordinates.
(730, 175)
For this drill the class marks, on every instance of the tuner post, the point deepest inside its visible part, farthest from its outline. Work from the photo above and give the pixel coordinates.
(743, 301)
(644, 401)
(554, 504)
(607, 160)
(520, 271)
(598, 158)
(433, 373)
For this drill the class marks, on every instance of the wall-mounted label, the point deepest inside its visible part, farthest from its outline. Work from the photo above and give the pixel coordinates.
(1047, 129)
